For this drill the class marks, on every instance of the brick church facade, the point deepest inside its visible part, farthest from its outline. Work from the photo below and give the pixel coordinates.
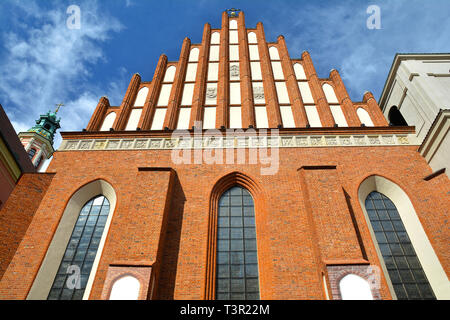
(310, 195)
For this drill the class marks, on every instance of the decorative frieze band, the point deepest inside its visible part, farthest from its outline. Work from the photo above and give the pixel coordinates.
(208, 142)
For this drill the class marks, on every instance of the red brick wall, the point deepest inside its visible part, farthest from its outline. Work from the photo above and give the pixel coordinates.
(18, 212)
(292, 248)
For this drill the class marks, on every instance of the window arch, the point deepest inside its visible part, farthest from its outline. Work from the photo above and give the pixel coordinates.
(81, 251)
(125, 288)
(396, 210)
(396, 118)
(193, 55)
(170, 74)
(215, 38)
(353, 287)
(77, 206)
(236, 263)
(364, 117)
(299, 72)
(252, 37)
(329, 93)
(403, 266)
(108, 122)
(142, 95)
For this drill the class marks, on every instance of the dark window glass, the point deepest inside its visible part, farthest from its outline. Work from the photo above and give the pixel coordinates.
(80, 252)
(31, 153)
(237, 263)
(405, 271)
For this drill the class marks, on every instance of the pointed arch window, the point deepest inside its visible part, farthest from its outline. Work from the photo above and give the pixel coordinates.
(237, 264)
(404, 268)
(81, 251)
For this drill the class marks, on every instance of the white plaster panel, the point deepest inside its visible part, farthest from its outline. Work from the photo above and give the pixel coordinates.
(133, 120)
(261, 117)
(183, 118)
(277, 70)
(234, 52)
(254, 52)
(233, 24)
(252, 37)
(235, 118)
(255, 68)
(313, 116)
(235, 93)
(299, 71)
(364, 117)
(158, 119)
(170, 74)
(188, 93)
(338, 116)
(209, 118)
(283, 96)
(191, 71)
(215, 38)
(287, 117)
(273, 52)
(329, 93)
(108, 122)
(214, 53)
(141, 96)
(193, 55)
(164, 95)
(305, 91)
(213, 71)
(234, 36)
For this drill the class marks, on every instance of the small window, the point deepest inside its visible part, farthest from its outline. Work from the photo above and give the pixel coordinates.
(353, 287)
(38, 162)
(31, 153)
(125, 288)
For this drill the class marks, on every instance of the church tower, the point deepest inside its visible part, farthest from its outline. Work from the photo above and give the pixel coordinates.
(38, 140)
(236, 172)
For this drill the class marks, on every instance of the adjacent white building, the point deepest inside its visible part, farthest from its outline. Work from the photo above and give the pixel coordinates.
(417, 93)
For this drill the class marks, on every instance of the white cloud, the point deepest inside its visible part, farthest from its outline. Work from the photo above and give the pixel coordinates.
(47, 63)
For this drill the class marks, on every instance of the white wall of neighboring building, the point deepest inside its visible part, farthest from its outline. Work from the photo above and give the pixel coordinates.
(419, 85)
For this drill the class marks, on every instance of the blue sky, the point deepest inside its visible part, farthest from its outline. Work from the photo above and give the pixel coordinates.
(42, 62)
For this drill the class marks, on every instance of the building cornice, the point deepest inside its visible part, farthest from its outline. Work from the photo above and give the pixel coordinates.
(399, 57)
(435, 135)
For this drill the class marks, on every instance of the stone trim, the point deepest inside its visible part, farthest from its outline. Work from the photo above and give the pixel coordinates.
(211, 142)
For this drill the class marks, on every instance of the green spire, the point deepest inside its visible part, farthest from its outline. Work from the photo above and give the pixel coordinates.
(47, 124)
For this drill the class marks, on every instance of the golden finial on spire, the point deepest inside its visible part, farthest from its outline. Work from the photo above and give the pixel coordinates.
(233, 12)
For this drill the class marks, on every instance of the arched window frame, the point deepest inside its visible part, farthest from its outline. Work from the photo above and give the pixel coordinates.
(223, 184)
(365, 290)
(121, 278)
(425, 252)
(55, 252)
